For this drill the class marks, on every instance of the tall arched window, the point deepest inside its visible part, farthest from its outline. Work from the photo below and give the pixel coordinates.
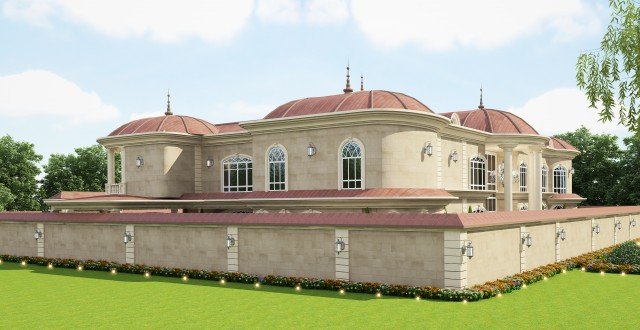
(523, 177)
(545, 170)
(277, 168)
(560, 180)
(237, 174)
(478, 173)
(351, 162)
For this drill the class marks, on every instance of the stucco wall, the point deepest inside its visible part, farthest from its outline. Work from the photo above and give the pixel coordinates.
(80, 241)
(211, 176)
(497, 254)
(288, 252)
(17, 239)
(635, 231)
(182, 247)
(578, 239)
(404, 165)
(605, 238)
(543, 250)
(412, 258)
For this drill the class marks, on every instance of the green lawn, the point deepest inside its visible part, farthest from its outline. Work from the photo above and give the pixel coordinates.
(38, 297)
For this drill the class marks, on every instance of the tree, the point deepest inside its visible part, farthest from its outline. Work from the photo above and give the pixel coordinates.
(18, 171)
(609, 74)
(85, 170)
(628, 190)
(597, 168)
(6, 197)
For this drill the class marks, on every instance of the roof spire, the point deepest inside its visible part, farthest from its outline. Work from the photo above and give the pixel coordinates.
(168, 112)
(481, 106)
(348, 88)
(361, 82)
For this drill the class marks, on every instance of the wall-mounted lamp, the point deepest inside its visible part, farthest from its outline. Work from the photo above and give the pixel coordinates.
(38, 234)
(127, 238)
(596, 229)
(618, 225)
(467, 250)
(340, 245)
(231, 241)
(453, 156)
(209, 162)
(428, 149)
(632, 223)
(561, 234)
(527, 239)
(311, 150)
(572, 171)
(139, 161)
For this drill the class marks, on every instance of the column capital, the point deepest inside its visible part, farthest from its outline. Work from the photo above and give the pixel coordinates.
(507, 146)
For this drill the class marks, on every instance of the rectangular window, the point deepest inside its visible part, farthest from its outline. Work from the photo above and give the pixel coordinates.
(523, 178)
(491, 204)
(491, 172)
(236, 175)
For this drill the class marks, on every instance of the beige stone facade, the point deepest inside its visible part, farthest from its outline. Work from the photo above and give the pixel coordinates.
(81, 241)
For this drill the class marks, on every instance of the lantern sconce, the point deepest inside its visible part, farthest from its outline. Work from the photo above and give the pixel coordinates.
(231, 241)
(311, 150)
(127, 238)
(467, 249)
(428, 149)
(139, 161)
(561, 234)
(453, 156)
(572, 171)
(340, 245)
(38, 234)
(618, 225)
(527, 239)
(209, 162)
(596, 229)
(632, 223)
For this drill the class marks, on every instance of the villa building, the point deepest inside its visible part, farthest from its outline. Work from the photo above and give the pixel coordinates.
(359, 151)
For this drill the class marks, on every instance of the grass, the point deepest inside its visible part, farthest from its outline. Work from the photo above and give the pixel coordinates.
(35, 296)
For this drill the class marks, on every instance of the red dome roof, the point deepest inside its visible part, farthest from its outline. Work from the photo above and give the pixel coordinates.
(348, 101)
(493, 121)
(167, 123)
(557, 143)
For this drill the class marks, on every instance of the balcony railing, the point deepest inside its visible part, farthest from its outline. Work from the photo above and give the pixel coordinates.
(116, 189)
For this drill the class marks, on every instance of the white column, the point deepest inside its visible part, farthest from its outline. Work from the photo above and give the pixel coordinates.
(535, 179)
(40, 242)
(232, 252)
(122, 166)
(342, 258)
(523, 251)
(558, 240)
(110, 166)
(439, 159)
(593, 235)
(130, 248)
(508, 179)
(198, 169)
(455, 264)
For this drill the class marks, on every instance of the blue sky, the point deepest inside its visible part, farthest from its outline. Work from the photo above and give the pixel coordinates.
(72, 71)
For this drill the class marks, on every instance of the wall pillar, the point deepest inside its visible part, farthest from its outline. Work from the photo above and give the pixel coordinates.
(615, 230)
(455, 264)
(198, 169)
(535, 179)
(130, 248)
(523, 251)
(342, 258)
(122, 166)
(465, 166)
(40, 242)
(232, 252)
(439, 166)
(508, 179)
(555, 233)
(110, 166)
(593, 234)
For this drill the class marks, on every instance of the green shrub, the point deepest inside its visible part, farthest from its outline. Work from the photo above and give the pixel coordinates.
(627, 253)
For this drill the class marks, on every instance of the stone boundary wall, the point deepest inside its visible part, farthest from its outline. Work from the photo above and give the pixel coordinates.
(395, 255)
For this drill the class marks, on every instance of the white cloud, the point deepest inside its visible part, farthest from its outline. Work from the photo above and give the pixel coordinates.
(161, 21)
(564, 109)
(279, 11)
(326, 11)
(39, 93)
(446, 25)
(239, 111)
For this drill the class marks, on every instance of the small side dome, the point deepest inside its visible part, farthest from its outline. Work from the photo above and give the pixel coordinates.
(375, 99)
(168, 123)
(557, 143)
(492, 121)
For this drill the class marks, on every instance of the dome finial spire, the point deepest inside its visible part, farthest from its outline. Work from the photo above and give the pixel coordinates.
(361, 82)
(348, 88)
(168, 112)
(481, 106)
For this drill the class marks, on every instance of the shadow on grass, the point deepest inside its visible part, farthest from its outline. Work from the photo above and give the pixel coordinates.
(137, 278)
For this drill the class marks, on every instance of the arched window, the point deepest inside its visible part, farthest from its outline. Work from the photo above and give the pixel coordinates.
(277, 168)
(523, 177)
(237, 174)
(478, 173)
(560, 180)
(545, 170)
(351, 159)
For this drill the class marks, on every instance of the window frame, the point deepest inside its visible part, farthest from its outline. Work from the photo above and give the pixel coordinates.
(478, 182)
(562, 179)
(492, 162)
(248, 176)
(341, 164)
(285, 163)
(544, 178)
(522, 170)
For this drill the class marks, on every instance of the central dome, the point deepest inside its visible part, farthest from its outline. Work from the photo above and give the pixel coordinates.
(168, 123)
(493, 121)
(376, 99)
